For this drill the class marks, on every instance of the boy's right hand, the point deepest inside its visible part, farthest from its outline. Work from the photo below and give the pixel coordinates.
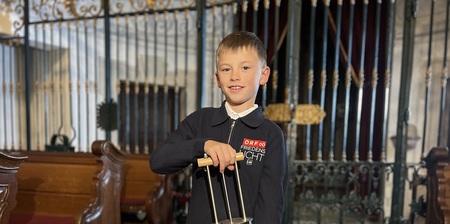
(222, 155)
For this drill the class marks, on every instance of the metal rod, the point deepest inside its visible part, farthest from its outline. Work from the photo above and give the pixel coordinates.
(127, 87)
(213, 43)
(224, 19)
(335, 79)
(428, 76)
(61, 86)
(403, 111)
(146, 87)
(294, 10)
(36, 86)
(88, 134)
(166, 87)
(108, 59)
(241, 198)
(11, 91)
(225, 189)
(444, 77)
(186, 61)
(44, 83)
(5, 146)
(310, 75)
(244, 15)
(52, 83)
(348, 80)
(26, 14)
(361, 80)
(176, 85)
(266, 43)
(118, 84)
(255, 16)
(374, 79)
(212, 195)
(155, 83)
(275, 51)
(136, 88)
(78, 50)
(95, 72)
(223, 35)
(234, 18)
(69, 47)
(201, 52)
(266, 23)
(387, 76)
(323, 76)
(19, 90)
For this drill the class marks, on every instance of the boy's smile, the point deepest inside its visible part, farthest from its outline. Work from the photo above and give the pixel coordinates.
(239, 75)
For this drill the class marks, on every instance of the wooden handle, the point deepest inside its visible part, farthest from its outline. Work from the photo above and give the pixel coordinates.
(208, 161)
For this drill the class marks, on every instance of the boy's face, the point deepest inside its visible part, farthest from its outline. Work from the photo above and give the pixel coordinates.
(239, 75)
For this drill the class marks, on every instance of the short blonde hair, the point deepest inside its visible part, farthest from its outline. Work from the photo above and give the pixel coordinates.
(242, 39)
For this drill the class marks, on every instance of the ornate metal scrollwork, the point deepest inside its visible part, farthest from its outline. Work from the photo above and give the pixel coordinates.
(307, 114)
(18, 24)
(140, 5)
(278, 112)
(372, 203)
(81, 9)
(162, 4)
(338, 187)
(187, 3)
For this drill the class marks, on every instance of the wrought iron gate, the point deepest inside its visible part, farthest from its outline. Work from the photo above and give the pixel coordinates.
(130, 71)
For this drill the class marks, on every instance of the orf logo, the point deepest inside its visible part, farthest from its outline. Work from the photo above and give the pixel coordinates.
(254, 150)
(254, 143)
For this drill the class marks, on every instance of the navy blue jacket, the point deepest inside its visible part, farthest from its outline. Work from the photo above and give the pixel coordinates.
(263, 172)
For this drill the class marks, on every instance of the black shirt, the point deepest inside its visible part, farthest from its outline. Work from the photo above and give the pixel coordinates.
(263, 172)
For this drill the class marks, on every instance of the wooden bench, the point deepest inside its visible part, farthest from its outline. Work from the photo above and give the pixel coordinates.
(438, 186)
(64, 187)
(145, 193)
(444, 191)
(9, 165)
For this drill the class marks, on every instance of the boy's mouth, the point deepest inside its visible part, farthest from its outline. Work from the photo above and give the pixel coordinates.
(235, 87)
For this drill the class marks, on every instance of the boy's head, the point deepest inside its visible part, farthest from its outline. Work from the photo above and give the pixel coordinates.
(242, 39)
(241, 69)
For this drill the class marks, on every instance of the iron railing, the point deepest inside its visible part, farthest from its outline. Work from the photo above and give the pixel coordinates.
(131, 71)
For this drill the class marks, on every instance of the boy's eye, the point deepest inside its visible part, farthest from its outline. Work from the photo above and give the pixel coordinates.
(245, 68)
(225, 69)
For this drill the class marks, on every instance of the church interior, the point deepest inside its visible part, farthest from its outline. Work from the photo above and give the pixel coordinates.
(90, 88)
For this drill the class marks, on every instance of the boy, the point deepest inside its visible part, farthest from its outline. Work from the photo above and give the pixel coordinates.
(238, 125)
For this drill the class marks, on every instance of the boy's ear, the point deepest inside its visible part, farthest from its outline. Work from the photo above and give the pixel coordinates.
(217, 80)
(265, 73)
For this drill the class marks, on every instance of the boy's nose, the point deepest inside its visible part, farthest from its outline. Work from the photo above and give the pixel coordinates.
(235, 76)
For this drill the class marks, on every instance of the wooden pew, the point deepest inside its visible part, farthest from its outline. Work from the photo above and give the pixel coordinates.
(145, 192)
(63, 187)
(444, 191)
(9, 165)
(438, 186)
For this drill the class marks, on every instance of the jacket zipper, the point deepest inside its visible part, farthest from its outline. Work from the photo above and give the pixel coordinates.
(238, 182)
(223, 175)
(231, 131)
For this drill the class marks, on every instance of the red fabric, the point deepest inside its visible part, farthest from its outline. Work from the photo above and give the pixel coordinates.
(39, 219)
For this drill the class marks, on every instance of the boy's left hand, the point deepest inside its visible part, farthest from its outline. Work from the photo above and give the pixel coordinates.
(222, 155)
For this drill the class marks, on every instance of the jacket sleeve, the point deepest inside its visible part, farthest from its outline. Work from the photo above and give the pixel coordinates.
(180, 149)
(272, 189)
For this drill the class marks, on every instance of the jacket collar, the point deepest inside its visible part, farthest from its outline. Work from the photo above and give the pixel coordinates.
(253, 119)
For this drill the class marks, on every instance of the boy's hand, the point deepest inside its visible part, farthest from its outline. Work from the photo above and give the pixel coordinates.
(222, 155)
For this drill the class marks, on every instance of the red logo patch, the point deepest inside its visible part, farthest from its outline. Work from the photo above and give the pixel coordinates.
(254, 143)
